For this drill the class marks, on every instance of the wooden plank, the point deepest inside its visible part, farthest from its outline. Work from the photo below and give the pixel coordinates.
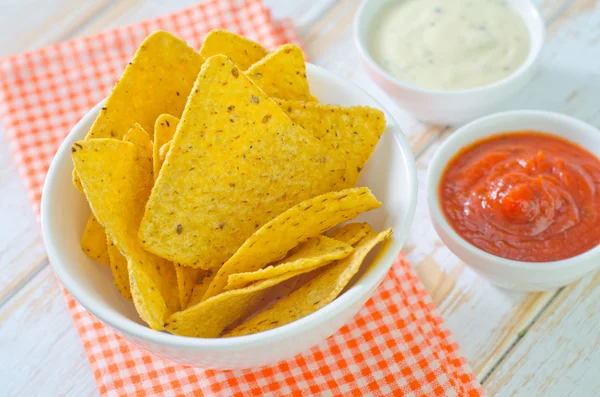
(31, 24)
(41, 351)
(559, 355)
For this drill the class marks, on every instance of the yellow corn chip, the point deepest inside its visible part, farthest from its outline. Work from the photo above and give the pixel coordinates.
(235, 163)
(351, 233)
(353, 131)
(93, 241)
(314, 253)
(282, 74)
(187, 279)
(240, 50)
(164, 130)
(209, 318)
(296, 225)
(158, 80)
(200, 288)
(118, 265)
(139, 136)
(162, 153)
(315, 294)
(117, 199)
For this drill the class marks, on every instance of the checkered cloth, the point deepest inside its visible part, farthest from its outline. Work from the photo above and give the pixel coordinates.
(396, 345)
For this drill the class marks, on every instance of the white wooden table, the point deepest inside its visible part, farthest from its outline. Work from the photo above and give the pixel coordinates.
(544, 344)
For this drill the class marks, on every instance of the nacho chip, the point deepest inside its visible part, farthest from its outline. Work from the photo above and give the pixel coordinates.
(118, 265)
(158, 80)
(296, 225)
(93, 241)
(209, 318)
(282, 74)
(164, 130)
(139, 136)
(315, 294)
(240, 50)
(235, 163)
(314, 253)
(351, 233)
(200, 288)
(353, 131)
(187, 279)
(117, 199)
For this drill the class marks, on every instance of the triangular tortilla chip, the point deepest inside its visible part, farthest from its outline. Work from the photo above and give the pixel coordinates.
(314, 253)
(209, 318)
(158, 80)
(236, 162)
(240, 50)
(117, 199)
(351, 233)
(201, 286)
(282, 74)
(353, 131)
(316, 293)
(118, 266)
(93, 241)
(187, 279)
(296, 225)
(164, 130)
(139, 136)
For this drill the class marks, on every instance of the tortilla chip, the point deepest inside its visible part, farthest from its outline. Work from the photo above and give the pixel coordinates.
(118, 265)
(282, 74)
(93, 241)
(240, 50)
(187, 279)
(209, 318)
(164, 130)
(316, 252)
(353, 131)
(200, 288)
(158, 80)
(139, 136)
(235, 163)
(315, 294)
(296, 225)
(117, 199)
(351, 233)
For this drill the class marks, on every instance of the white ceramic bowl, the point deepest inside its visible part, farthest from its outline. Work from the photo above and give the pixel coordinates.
(524, 276)
(390, 173)
(450, 107)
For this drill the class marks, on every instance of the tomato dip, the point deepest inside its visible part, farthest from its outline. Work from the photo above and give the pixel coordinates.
(526, 196)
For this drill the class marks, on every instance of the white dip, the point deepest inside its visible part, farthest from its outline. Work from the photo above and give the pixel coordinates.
(449, 44)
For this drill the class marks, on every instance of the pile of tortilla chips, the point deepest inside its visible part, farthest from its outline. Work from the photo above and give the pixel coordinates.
(213, 177)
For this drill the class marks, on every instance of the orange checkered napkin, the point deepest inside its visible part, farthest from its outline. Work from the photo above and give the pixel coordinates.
(396, 345)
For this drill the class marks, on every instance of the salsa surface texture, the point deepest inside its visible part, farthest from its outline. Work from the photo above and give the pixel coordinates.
(526, 196)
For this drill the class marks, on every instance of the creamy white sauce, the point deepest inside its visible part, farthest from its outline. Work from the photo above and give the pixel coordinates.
(449, 44)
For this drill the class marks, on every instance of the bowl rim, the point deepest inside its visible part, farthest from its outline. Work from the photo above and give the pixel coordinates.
(530, 61)
(365, 285)
(450, 147)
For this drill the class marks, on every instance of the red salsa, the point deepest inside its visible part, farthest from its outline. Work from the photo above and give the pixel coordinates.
(526, 196)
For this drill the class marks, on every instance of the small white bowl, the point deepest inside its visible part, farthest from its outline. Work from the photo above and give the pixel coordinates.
(450, 107)
(518, 275)
(390, 173)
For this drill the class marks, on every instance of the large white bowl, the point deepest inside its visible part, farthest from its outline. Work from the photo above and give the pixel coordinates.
(518, 275)
(450, 107)
(390, 173)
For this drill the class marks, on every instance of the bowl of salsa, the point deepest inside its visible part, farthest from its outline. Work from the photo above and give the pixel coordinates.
(516, 196)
